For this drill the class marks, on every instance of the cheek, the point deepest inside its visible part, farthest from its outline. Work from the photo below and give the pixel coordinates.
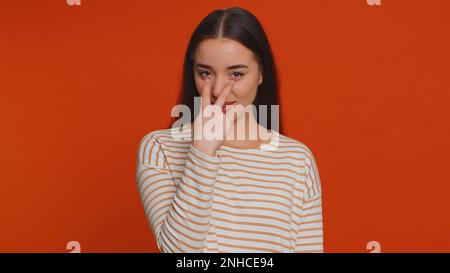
(198, 84)
(245, 90)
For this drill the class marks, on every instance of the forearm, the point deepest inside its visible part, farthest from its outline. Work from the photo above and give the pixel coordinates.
(186, 223)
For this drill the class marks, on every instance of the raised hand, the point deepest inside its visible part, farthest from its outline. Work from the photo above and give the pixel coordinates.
(205, 140)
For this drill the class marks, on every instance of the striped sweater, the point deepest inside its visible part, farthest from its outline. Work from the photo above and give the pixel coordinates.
(264, 199)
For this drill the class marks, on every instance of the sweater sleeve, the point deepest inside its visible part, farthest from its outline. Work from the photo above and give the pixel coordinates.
(310, 234)
(178, 214)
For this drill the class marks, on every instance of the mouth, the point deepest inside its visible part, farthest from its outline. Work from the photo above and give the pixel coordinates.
(225, 103)
(224, 107)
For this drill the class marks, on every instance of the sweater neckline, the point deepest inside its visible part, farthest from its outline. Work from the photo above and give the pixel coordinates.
(271, 145)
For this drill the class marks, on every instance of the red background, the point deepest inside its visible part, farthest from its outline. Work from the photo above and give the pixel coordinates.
(365, 87)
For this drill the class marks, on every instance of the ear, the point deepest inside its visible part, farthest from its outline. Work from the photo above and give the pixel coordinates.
(260, 78)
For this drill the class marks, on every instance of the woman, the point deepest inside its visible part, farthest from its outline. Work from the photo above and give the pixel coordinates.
(219, 194)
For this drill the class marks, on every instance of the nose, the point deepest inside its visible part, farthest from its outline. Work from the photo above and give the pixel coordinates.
(217, 88)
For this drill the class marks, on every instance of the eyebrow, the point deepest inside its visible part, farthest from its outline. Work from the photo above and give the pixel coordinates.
(228, 68)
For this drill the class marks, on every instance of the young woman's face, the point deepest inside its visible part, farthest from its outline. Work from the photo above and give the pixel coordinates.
(224, 59)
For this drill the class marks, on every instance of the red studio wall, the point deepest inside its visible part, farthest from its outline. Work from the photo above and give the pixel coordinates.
(366, 87)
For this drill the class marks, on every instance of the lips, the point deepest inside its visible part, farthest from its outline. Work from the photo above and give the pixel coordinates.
(224, 107)
(226, 103)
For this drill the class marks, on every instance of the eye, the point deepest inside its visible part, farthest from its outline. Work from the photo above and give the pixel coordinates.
(237, 75)
(205, 74)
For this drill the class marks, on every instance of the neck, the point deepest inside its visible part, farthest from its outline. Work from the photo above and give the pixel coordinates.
(242, 138)
(248, 140)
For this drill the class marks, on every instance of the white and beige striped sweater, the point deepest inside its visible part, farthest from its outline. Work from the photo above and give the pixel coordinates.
(265, 199)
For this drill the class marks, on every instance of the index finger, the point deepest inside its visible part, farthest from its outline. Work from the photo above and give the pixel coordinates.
(223, 96)
(206, 93)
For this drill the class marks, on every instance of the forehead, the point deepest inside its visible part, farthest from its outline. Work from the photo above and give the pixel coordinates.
(222, 52)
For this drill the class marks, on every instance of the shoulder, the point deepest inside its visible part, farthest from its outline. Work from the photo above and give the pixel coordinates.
(296, 147)
(309, 174)
(169, 135)
(164, 139)
(151, 138)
